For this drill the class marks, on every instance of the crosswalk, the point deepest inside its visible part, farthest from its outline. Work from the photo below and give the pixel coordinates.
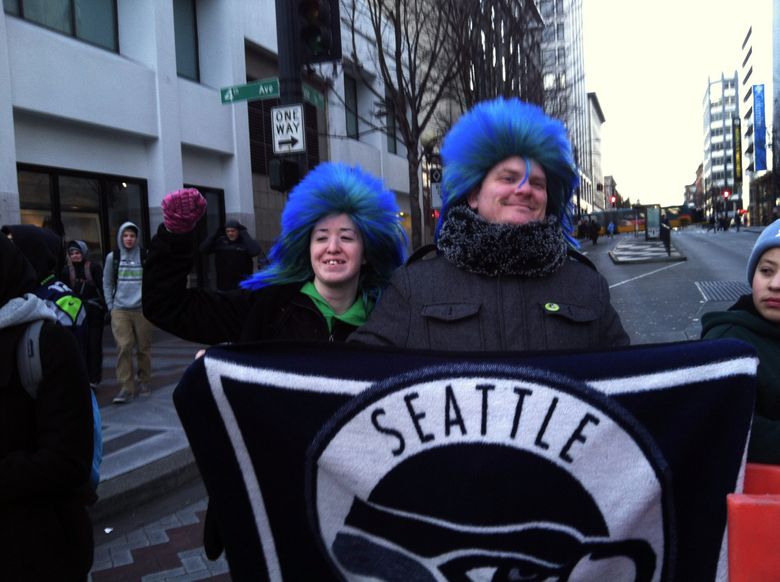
(643, 251)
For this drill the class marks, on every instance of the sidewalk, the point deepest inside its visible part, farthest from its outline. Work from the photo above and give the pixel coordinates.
(145, 450)
(634, 250)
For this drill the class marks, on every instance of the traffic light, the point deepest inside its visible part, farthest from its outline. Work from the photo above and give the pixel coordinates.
(726, 194)
(613, 199)
(282, 174)
(319, 31)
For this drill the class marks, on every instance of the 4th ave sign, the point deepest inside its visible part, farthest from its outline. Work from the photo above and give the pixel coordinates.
(262, 89)
(288, 129)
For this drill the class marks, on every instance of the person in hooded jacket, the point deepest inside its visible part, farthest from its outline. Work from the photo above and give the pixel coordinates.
(341, 240)
(122, 291)
(43, 248)
(85, 278)
(506, 274)
(45, 442)
(755, 319)
(233, 248)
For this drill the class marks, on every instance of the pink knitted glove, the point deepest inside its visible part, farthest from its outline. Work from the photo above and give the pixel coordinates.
(182, 209)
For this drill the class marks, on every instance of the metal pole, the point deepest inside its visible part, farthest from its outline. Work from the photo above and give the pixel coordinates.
(290, 87)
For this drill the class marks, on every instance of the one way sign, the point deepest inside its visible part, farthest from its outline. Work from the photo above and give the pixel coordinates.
(288, 126)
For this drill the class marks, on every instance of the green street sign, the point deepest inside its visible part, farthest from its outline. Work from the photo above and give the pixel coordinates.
(313, 96)
(262, 89)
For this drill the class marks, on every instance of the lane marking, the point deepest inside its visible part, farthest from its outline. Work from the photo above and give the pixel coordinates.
(646, 274)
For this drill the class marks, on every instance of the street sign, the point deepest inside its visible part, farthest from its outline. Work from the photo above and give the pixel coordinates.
(288, 129)
(262, 89)
(313, 96)
(435, 175)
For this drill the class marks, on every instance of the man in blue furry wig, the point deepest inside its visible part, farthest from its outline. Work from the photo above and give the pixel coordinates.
(506, 275)
(341, 240)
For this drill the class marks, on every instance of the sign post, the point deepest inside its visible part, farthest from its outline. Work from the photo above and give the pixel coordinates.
(288, 129)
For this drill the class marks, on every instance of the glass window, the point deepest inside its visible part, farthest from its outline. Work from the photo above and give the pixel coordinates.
(204, 268)
(185, 28)
(11, 7)
(80, 212)
(79, 193)
(260, 134)
(96, 22)
(35, 198)
(351, 106)
(123, 203)
(50, 13)
(392, 140)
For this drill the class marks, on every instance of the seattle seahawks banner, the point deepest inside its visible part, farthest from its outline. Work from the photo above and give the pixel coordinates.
(329, 462)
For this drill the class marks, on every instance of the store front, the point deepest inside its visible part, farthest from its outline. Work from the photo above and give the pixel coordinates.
(91, 207)
(83, 206)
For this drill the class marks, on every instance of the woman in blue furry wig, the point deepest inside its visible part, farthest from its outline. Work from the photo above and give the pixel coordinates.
(506, 274)
(341, 240)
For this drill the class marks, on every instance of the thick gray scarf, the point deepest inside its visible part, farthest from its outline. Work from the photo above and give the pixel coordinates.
(471, 243)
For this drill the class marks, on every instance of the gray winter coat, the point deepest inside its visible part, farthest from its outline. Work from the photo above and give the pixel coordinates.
(432, 304)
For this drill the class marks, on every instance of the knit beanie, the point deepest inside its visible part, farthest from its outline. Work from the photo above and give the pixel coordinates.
(493, 131)
(769, 239)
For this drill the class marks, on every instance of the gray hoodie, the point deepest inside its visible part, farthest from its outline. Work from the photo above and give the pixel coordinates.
(127, 294)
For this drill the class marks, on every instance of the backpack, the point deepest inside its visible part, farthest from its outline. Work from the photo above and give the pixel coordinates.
(28, 363)
(115, 263)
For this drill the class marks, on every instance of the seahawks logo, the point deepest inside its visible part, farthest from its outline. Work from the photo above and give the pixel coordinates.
(488, 473)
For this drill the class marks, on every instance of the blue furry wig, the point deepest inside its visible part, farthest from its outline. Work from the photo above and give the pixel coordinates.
(493, 131)
(331, 189)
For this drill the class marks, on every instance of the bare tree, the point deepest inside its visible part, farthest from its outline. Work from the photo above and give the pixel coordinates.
(498, 50)
(409, 54)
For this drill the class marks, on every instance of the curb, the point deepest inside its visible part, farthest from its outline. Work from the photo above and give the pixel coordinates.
(133, 488)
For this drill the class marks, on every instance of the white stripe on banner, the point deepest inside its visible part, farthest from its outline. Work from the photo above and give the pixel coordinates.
(678, 377)
(215, 370)
(289, 380)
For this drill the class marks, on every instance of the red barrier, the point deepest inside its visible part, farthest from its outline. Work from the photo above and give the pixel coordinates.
(754, 526)
(762, 479)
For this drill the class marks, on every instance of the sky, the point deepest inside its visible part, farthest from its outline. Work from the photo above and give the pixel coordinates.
(648, 63)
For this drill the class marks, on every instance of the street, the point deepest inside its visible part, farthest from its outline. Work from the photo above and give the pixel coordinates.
(657, 301)
(661, 302)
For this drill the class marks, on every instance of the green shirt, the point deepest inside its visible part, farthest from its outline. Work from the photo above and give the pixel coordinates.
(355, 315)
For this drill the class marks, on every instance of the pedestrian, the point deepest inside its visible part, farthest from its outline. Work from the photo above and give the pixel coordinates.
(233, 249)
(737, 220)
(506, 275)
(666, 235)
(44, 250)
(341, 240)
(755, 319)
(594, 229)
(122, 290)
(611, 229)
(711, 223)
(85, 278)
(45, 440)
